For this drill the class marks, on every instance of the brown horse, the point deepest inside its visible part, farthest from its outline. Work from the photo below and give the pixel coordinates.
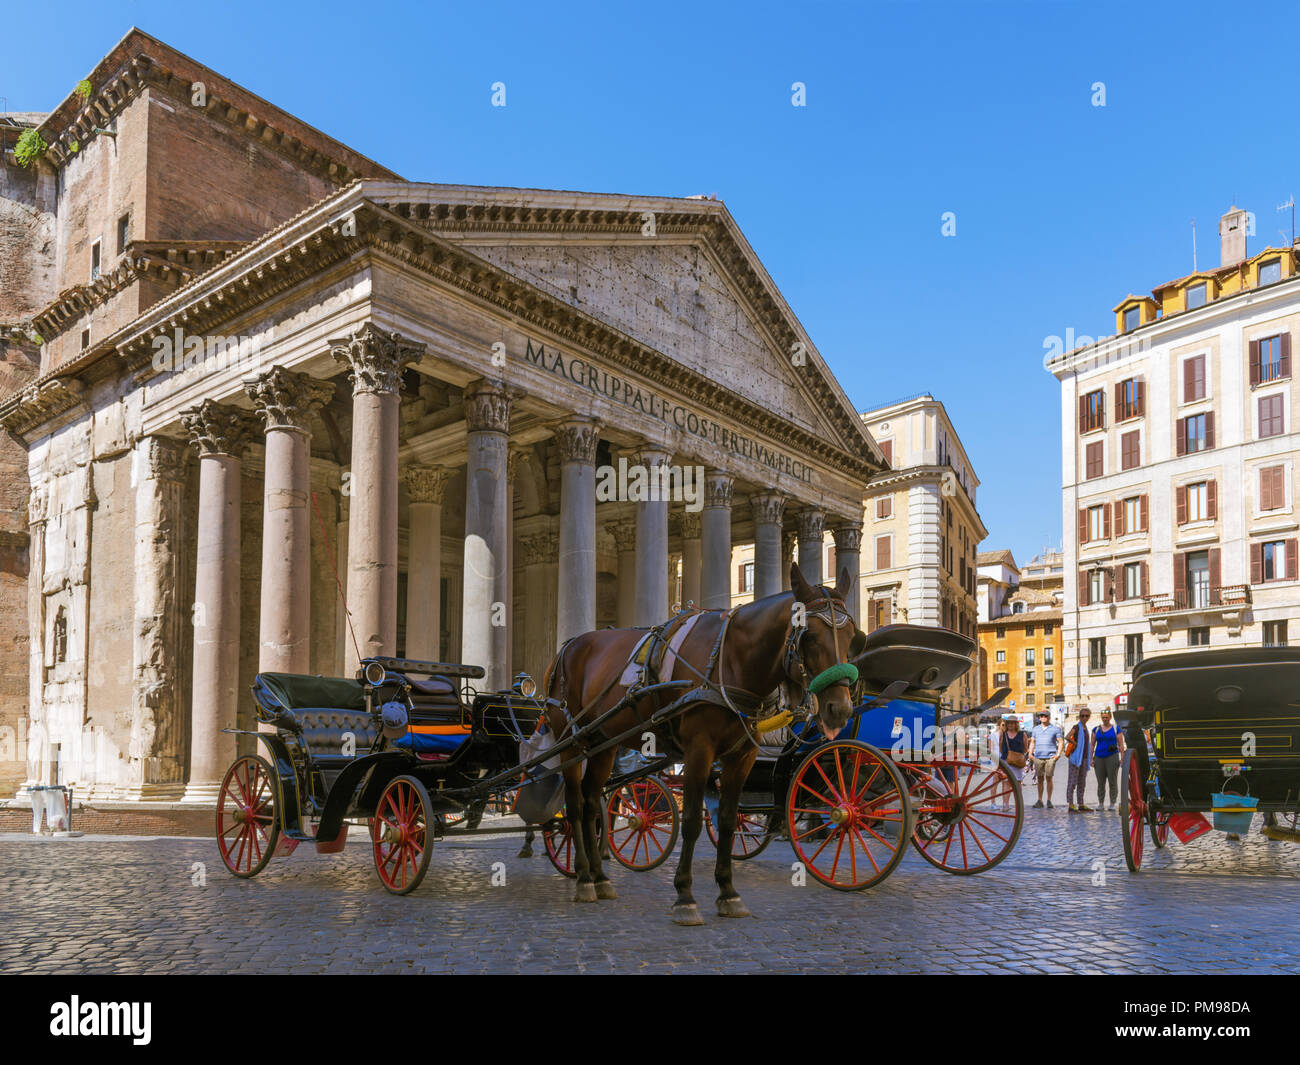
(753, 650)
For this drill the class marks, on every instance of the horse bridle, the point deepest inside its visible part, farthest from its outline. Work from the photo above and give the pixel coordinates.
(831, 610)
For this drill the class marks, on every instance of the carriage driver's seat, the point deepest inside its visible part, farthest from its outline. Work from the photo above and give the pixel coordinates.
(439, 720)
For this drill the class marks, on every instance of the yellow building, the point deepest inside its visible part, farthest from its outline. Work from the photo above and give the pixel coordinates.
(1020, 645)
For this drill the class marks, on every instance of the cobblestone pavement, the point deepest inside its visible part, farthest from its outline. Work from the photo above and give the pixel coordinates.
(123, 905)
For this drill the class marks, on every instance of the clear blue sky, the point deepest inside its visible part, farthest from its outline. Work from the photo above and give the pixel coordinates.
(913, 109)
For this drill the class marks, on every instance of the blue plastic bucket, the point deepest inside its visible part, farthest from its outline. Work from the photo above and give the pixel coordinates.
(1233, 813)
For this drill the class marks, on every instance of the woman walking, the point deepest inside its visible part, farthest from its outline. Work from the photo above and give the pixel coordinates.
(1109, 742)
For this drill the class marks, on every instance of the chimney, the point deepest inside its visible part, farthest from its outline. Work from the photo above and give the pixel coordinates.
(1232, 236)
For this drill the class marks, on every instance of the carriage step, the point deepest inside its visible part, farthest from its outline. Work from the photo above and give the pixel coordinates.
(1286, 835)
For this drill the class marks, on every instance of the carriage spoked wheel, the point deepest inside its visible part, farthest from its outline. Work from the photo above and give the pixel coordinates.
(962, 826)
(848, 815)
(642, 823)
(247, 826)
(751, 837)
(399, 835)
(1159, 828)
(1133, 809)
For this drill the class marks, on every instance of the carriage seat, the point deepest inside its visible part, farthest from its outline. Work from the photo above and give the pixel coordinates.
(325, 708)
(927, 657)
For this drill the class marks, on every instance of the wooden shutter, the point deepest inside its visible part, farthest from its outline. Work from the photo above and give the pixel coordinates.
(882, 553)
(1120, 530)
(1284, 361)
(1180, 505)
(1180, 579)
(1105, 522)
(1141, 397)
(1216, 577)
(1083, 414)
(1182, 435)
(1083, 588)
(887, 449)
(1116, 576)
(1189, 379)
(1256, 563)
(1119, 401)
(1083, 525)
(1209, 429)
(1266, 488)
(831, 576)
(1212, 499)
(1291, 572)
(1279, 486)
(1145, 581)
(1254, 362)
(740, 578)
(1142, 508)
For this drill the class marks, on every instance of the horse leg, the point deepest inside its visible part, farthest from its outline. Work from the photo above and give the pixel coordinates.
(593, 792)
(573, 810)
(699, 759)
(735, 768)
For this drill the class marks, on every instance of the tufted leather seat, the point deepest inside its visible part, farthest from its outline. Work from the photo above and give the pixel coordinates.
(324, 730)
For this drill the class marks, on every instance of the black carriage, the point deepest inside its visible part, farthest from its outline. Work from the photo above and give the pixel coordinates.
(1214, 732)
(894, 775)
(414, 750)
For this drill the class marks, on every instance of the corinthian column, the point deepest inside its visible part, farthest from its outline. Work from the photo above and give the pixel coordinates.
(624, 533)
(848, 555)
(811, 551)
(691, 558)
(538, 545)
(376, 359)
(715, 529)
(576, 613)
(425, 486)
(156, 747)
(487, 501)
(285, 400)
(652, 543)
(220, 433)
(768, 509)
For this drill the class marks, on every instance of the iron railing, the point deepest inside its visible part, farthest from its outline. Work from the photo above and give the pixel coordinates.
(1226, 597)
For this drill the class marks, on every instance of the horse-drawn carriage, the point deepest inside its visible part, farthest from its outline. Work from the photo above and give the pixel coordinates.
(1211, 732)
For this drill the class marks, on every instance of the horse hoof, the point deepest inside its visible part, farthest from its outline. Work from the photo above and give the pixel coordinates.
(585, 893)
(732, 908)
(605, 890)
(525, 852)
(689, 916)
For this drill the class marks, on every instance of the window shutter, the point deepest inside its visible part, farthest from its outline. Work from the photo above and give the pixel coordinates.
(1209, 429)
(1119, 517)
(1119, 401)
(1143, 509)
(1141, 397)
(740, 578)
(1215, 576)
(1083, 414)
(1083, 588)
(1083, 525)
(1182, 436)
(1254, 362)
(1180, 579)
(1116, 582)
(1189, 380)
(1291, 572)
(1212, 499)
(1180, 496)
(1105, 523)
(1256, 563)
(1145, 582)
(1101, 409)
(1284, 361)
(1266, 489)
(1279, 486)
(887, 449)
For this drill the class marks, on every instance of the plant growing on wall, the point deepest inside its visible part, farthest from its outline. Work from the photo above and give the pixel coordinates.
(83, 90)
(29, 148)
(74, 146)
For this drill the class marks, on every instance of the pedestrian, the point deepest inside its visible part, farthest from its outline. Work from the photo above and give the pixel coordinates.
(1078, 750)
(1013, 749)
(1109, 745)
(1045, 742)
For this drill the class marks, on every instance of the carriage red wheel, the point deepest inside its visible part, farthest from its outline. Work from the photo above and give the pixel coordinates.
(1132, 809)
(642, 823)
(848, 815)
(557, 835)
(247, 826)
(1159, 829)
(751, 836)
(399, 835)
(961, 824)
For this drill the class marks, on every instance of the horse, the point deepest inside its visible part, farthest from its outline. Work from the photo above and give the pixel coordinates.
(730, 661)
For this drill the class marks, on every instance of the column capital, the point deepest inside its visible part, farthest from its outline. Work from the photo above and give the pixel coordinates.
(651, 455)
(690, 525)
(487, 407)
(812, 524)
(624, 534)
(426, 484)
(768, 508)
(577, 439)
(163, 458)
(718, 488)
(286, 399)
(218, 428)
(848, 536)
(375, 358)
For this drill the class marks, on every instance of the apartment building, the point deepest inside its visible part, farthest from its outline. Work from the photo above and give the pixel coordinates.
(1020, 645)
(1179, 473)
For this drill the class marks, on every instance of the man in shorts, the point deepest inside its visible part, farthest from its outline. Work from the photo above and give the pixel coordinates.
(1045, 740)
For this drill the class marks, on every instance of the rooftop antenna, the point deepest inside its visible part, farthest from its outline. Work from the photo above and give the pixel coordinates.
(1193, 245)
(1291, 204)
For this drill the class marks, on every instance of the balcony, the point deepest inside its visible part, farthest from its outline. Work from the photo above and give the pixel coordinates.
(1228, 603)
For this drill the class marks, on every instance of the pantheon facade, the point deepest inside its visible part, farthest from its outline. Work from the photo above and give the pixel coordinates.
(289, 410)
